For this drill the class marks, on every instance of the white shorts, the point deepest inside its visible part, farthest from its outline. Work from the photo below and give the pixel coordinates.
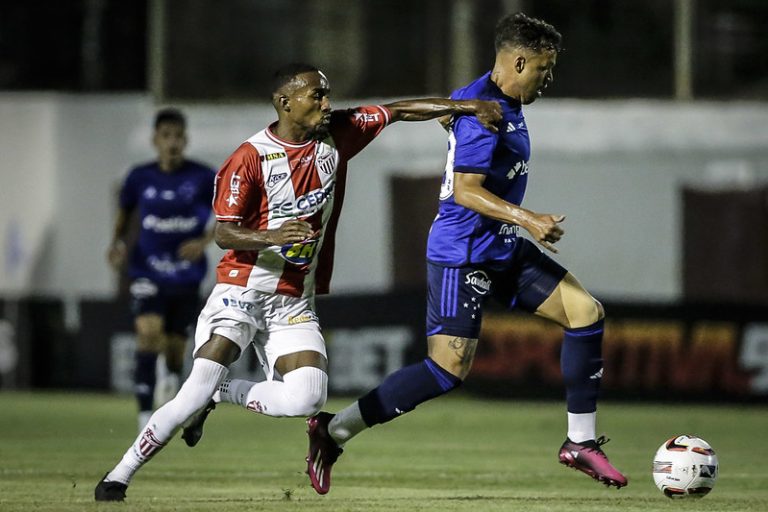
(276, 324)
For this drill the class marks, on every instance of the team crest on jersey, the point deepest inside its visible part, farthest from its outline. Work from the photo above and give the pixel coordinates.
(479, 281)
(300, 253)
(326, 162)
(187, 191)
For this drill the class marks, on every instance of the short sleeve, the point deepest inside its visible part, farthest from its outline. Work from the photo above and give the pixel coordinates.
(129, 192)
(354, 129)
(475, 145)
(236, 185)
(208, 189)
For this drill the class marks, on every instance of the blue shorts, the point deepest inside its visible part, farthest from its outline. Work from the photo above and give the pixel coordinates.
(455, 295)
(178, 305)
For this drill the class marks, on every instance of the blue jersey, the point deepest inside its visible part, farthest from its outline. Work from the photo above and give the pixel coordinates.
(173, 207)
(460, 236)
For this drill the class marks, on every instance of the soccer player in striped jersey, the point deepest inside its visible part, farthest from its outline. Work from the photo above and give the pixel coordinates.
(474, 253)
(277, 203)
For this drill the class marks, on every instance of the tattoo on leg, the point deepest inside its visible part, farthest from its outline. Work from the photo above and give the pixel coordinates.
(464, 349)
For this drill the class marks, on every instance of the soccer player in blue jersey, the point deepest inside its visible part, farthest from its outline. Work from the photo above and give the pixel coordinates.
(474, 253)
(166, 265)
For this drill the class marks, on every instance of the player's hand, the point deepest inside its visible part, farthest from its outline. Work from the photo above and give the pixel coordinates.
(488, 113)
(116, 254)
(545, 229)
(290, 232)
(192, 249)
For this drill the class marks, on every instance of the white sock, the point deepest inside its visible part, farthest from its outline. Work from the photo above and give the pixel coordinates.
(166, 421)
(581, 427)
(166, 388)
(144, 419)
(346, 424)
(302, 392)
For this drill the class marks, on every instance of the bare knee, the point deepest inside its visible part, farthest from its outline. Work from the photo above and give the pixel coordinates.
(589, 312)
(149, 333)
(454, 354)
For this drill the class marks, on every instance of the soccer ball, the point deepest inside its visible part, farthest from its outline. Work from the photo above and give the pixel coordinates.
(685, 466)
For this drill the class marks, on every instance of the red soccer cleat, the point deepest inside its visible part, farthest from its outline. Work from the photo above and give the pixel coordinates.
(323, 452)
(589, 458)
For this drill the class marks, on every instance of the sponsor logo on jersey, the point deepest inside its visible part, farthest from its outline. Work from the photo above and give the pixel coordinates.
(306, 204)
(300, 253)
(273, 156)
(367, 118)
(166, 265)
(150, 192)
(234, 190)
(520, 168)
(510, 127)
(170, 224)
(508, 229)
(239, 304)
(307, 316)
(479, 281)
(275, 178)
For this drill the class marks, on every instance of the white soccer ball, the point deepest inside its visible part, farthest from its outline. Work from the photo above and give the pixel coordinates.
(685, 466)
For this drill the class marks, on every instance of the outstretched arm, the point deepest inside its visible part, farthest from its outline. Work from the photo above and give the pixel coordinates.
(469, 192)
(487, 112)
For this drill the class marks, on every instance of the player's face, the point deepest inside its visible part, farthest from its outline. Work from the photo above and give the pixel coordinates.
(536, 75)
(170, 139)
(310, 104)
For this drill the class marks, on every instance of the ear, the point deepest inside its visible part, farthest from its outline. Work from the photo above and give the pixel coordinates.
(284, 102)
(519, 63)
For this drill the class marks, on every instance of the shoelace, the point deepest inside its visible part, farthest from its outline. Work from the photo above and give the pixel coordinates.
(599, 442)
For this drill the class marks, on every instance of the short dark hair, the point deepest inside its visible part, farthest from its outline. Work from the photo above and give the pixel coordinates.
(170, 115)
(288, 72)
(519, 30)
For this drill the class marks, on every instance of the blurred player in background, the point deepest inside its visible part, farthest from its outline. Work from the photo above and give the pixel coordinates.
(167, 263)
(474, 252)
(277, 203)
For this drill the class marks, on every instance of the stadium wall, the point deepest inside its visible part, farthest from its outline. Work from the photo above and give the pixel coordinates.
(615, 168)
(669, 352)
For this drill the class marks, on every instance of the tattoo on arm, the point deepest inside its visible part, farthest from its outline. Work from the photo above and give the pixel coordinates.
(464, 349)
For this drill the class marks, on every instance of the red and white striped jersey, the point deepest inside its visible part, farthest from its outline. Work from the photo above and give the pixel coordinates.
(268, 181)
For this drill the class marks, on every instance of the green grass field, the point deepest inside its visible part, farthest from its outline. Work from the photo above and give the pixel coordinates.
(454, 454)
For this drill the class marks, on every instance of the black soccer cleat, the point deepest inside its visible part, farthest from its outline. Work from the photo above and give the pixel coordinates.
(192, 433)
(109, 491)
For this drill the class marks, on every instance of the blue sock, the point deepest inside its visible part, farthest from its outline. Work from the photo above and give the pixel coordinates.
(144, 379)
(581, 363)
(403, 390)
